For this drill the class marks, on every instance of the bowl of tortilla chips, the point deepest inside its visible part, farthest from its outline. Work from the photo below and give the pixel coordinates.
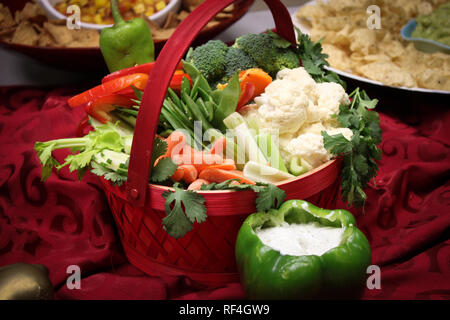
(25, 27)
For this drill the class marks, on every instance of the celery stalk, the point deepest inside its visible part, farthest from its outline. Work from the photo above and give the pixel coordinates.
(298, 166)
(268, 146)
(244, 137)
(263, 173)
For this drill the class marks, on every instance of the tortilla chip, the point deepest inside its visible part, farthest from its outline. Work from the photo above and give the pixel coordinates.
(192, 3)
(223, 15)
(84, 38)
(212, 24)
(337, 57)
(387, 73)
(183, 14)
(46, 40)
(25, 34)
(229, 9)
(171, 21)
(30, 10)
(61, 34)
(6, 19)
(162, 34)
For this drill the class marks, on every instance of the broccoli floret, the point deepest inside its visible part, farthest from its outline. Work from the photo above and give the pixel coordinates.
(266, 53)
(209, 59)
(261, 48)
(286, 58)
(237, 60)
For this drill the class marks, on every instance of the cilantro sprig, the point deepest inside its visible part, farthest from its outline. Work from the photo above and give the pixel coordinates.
(361, 152)
(268, 197)
(314, 60)
(184, 207)
(165, 167)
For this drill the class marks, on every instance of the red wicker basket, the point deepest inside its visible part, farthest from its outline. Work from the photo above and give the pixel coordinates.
(206, 254)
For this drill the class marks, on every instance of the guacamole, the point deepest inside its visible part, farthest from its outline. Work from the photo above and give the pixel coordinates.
(435, 26)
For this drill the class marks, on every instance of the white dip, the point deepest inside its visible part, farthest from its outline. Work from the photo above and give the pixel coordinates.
(301, 239)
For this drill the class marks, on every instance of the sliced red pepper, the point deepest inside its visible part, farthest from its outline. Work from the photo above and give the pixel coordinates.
(177, 78)
(142, 68)
(247, 94)
(82, 125)
(138, 80)
(100, 108)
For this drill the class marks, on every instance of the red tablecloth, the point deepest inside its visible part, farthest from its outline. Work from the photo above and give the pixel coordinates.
(66, 222)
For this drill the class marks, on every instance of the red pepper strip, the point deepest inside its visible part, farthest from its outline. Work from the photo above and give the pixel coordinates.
(127, 92)
(247, 93)
(175, 84)
(100, 107)
(177, 78)
(142, 68)
(82, 125)
(138, 80)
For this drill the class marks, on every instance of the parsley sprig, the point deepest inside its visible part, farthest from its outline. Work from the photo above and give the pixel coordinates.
(361, 152)
(184, 207)
(268, 197)
(314, 60)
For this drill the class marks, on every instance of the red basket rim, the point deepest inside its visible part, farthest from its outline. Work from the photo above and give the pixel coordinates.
(279, 184)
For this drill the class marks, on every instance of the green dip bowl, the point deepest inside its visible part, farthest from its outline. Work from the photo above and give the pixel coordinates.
(422, 44)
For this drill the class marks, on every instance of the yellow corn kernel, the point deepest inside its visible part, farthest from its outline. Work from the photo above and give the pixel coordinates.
(83, 2)
(91, 11)
(100, 3)
(160, 5)
(87, 19)
(149, 11)
(98, 19)
(139, 8)
(62, 8)
(149, 2)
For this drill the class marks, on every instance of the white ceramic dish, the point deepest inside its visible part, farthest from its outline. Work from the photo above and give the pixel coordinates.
(304, 29)
(159, 17)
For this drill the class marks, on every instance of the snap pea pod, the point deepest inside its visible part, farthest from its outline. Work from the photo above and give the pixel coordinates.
(174, 97)
(205, 110)
(195, 109)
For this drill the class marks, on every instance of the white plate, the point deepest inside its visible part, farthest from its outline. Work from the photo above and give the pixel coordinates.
(303, 28)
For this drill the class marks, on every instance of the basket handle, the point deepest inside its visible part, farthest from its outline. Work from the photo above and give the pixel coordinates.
(158, 82)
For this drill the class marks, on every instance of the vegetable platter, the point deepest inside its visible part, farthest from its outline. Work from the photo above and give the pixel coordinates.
(189, 145)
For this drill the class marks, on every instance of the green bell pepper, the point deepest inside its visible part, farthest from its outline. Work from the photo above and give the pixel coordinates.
(126, 43)
(267, 274)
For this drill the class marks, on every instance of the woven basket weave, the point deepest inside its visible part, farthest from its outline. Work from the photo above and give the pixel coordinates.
(206, 254)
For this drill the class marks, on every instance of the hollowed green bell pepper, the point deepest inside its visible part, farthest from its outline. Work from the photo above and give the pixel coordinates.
(126, 43)
(267, 274)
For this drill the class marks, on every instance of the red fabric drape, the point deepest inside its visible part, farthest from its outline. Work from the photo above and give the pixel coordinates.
(66, 222)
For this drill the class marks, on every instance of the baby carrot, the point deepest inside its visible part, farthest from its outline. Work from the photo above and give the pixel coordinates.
(228, 164)
(219, 146)
(220, 175)
(190, 173)
(178, 174)
(175, 143)
(197, 184)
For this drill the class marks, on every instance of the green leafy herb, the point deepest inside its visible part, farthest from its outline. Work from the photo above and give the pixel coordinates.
(165, 166)
(314, 61)
(361, 152)
(278, 41)
(108, 174)
(183, 208)
(268, 197)
(104, 137)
